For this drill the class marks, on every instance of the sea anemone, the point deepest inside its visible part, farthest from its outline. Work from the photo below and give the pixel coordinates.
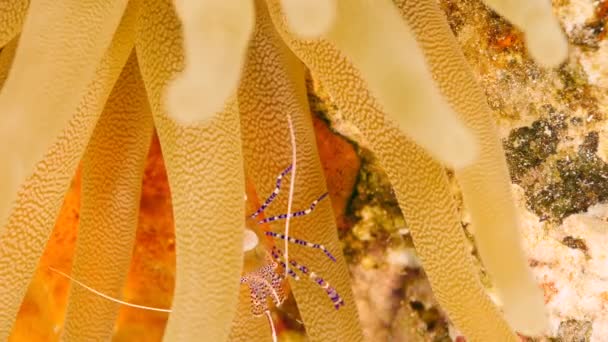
(90, 80)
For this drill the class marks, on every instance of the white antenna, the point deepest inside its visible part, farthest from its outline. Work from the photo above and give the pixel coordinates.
(272, 328)
(103, 295)
(291, 187)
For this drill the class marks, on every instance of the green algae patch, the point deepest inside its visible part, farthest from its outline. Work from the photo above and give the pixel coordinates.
(528, 147)
(570, 184)
(557, 184)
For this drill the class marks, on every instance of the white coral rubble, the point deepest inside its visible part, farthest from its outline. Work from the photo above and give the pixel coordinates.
(574, 280)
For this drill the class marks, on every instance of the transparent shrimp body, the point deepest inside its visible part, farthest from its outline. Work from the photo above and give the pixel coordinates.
(266, 265)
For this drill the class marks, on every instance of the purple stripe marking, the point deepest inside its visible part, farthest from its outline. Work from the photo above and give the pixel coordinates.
(294, 214)
(302, 243)
(273, 195)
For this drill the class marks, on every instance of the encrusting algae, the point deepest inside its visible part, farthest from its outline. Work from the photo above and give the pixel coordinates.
(218, 93)
(553, 125)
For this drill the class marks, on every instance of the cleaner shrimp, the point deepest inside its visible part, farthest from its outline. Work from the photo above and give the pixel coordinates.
(266, 282)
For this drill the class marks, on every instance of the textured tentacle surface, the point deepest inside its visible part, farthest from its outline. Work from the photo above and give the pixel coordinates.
(422, 191)
(55, 77)
(377, 41)
(12, 14)
(425, 198)
(486, 183)
(112, 173)
(205, 171)
(22, 240)
(272, 69)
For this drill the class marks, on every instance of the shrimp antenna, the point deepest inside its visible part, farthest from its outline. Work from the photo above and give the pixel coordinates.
(272, 328)
(103, 295)
(291, 187)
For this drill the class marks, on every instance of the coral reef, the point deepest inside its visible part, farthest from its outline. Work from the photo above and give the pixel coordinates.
(400, 78)
(570, 262)
(553, 127)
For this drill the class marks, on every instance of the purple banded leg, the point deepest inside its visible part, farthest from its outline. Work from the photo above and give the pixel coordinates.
(331, 292)
(295, 214)
(274, 193)
(302, 243)
(279, 259)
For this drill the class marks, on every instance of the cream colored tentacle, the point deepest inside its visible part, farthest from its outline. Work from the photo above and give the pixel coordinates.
(376, 40)
(486, 183)
(216, 35)
(310, 18)
(12, 14)
(422, 190)
(112, 171)
(545, 40)
(273, 85)
(23, 239)
(61, 44)
(205, 171)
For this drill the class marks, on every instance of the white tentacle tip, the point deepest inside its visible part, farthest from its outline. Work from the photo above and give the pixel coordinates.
(310, 19)
(452, 144)
(216, 38)
(525, 312)
(192, 101)
(468, 149)
(180, 103)
(547, 43)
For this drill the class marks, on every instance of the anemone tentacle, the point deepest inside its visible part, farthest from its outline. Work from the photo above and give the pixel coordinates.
(381, 47)
(205, 171)
(421, 187)
(271, 68)
(310, 18)
(112, 171)
(56, 78)
(221, 94)
(485, 184)
(216, 35)
(32, 219)
(12, 14)
(545, 40)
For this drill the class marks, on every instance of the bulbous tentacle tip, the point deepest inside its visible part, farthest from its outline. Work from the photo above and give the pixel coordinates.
(216, 37)
(190, 100)
(525, 312)
(310, 19)
(466, 149)
(451, 143)
(546, 42)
